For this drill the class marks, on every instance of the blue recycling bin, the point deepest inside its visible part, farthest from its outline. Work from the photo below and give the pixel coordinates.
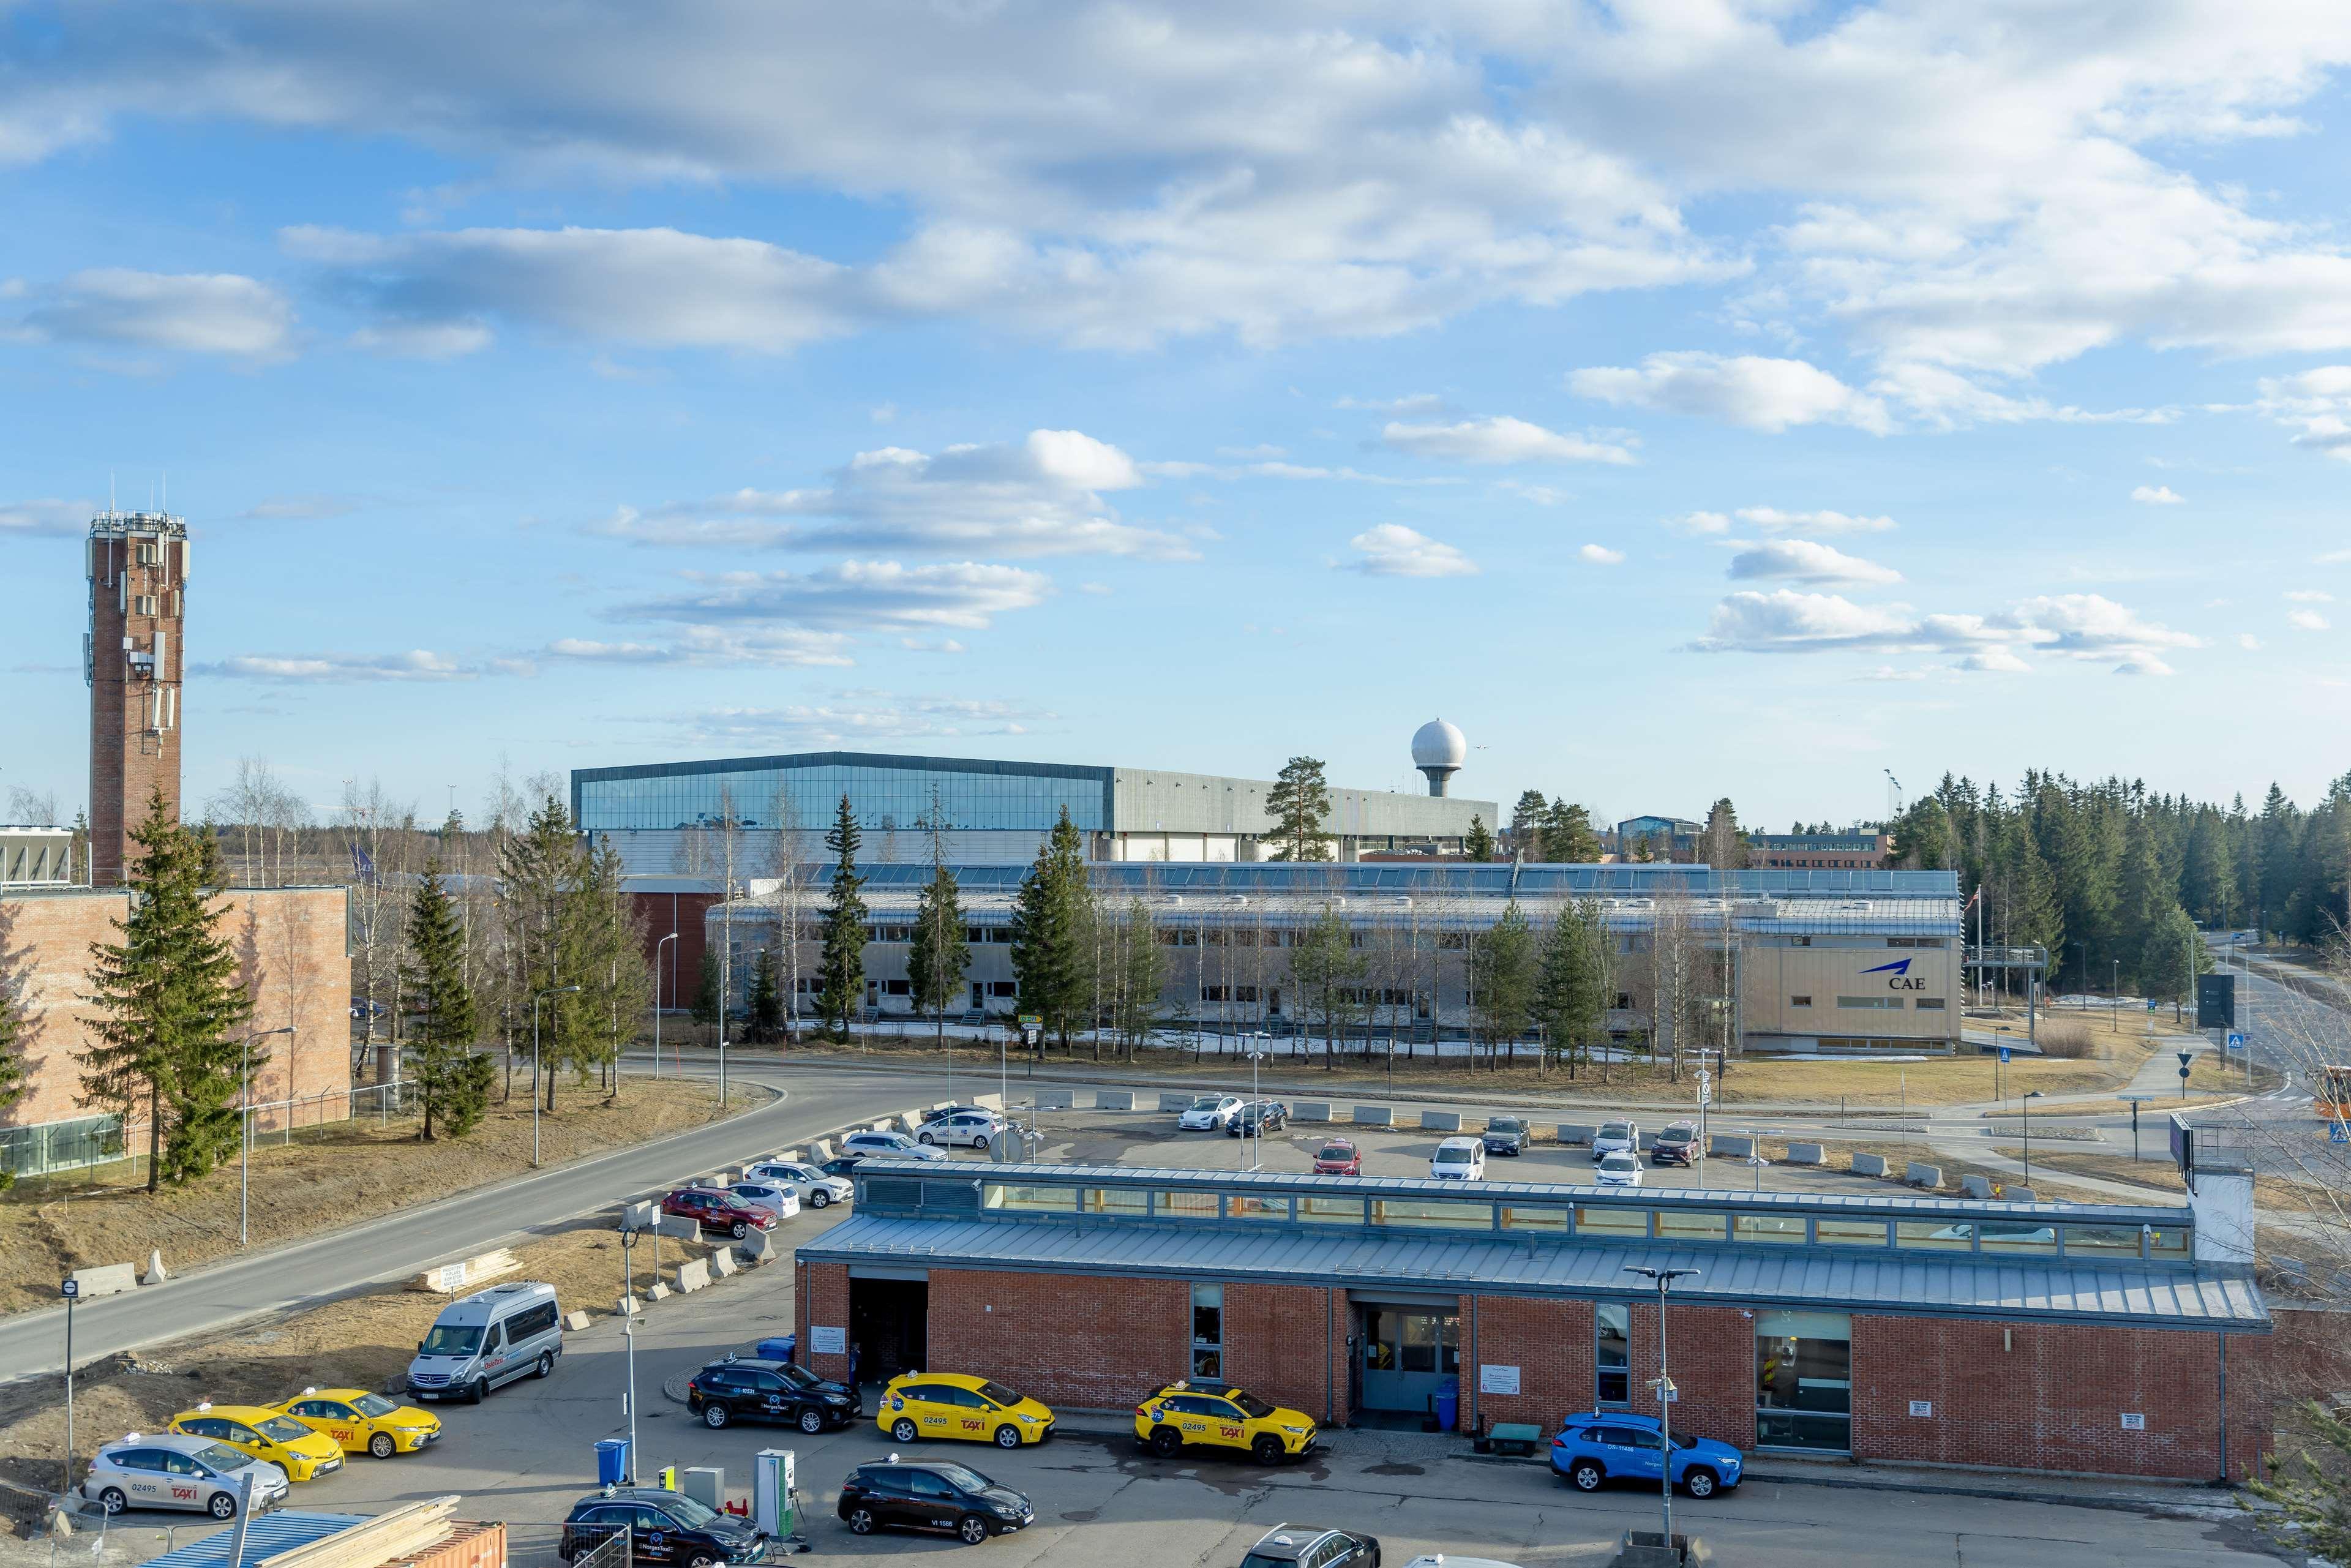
(778, 1349)
(611, 1461)
(1449, 1406)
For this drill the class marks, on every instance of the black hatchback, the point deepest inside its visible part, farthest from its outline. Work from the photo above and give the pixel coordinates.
(736, 1389)
(930, 1494)
(663, 1527)
(1259, 1117)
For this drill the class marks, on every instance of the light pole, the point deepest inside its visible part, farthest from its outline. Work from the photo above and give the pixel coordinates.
(628, 1333)
(71, 1289)
(1664, 1279)
(2033, 1094)
(657, 947)
(535, 998)
(2084, 949)
(245, 1153)
(1257, 1127)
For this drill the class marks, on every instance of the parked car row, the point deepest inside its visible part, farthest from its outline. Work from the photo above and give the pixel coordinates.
(205, 1458)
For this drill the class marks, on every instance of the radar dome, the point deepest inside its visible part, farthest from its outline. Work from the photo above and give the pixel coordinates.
(1437, 744)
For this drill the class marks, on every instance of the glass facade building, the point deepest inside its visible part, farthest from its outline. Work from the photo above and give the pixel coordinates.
(886, 793)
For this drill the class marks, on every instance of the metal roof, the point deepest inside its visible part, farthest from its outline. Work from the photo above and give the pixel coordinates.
(266, 1535)
(1498, 879)
(1891, 1282)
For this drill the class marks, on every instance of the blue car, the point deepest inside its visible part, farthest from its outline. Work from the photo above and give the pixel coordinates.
(1604, 1446)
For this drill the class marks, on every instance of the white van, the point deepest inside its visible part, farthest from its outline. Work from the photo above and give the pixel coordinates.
(1460, 1159)
(489, 1338)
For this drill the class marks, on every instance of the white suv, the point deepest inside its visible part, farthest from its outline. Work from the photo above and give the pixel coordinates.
(811, 1186)
(1460, 1159)
(889, 1145)
(1210, 1113)
(964, 1129)
(1620, 1137)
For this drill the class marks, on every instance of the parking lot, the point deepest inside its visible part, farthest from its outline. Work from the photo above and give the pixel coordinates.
(525, 1455)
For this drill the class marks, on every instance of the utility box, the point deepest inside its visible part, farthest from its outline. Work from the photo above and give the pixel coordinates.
(2216, 1000)
(771, 1493)
(707, 1484)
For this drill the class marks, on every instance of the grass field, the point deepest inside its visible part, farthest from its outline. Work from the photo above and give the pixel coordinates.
(323, 1181)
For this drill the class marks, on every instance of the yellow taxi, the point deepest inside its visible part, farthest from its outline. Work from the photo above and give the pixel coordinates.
(362, 1422)
(1219, 1416)
(955, 1405)
(266, 1433)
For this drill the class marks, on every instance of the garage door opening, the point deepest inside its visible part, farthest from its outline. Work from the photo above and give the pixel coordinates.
(889, 1327)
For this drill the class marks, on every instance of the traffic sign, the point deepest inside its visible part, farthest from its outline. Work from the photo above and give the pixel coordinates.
(1031, 1020)
(2336, 1133)
(2185, 1056)
(2236, 1041)
(2183, 1075)
(69, 1288)
(2003, 1056)
(2150, 1004)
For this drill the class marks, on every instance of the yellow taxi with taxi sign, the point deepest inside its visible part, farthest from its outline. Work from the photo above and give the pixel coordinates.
(1200, 1414)
(361, 1422)
(956, 1405)
(264, 1434)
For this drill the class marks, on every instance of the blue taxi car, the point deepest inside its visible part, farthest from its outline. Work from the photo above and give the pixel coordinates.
(1599, 1446)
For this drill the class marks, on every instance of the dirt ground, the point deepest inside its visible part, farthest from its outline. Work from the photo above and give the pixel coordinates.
(1295, 1069)
(360, 1342)
(322, 1181)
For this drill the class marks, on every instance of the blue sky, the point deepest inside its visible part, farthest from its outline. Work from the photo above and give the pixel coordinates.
(1685, 398)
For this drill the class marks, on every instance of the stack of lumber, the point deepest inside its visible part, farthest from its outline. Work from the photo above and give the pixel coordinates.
(450, 1279)
(405, 1532)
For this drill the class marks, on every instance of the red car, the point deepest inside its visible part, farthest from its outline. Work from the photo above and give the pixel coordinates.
(1337, 1156)
(717, 1210)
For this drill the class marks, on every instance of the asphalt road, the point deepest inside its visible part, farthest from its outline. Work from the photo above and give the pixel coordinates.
(813, 1100)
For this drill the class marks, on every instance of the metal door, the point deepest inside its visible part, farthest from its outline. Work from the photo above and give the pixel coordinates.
(1407, 1356)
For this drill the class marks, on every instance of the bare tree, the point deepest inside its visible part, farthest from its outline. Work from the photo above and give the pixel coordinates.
(719, 849)
(377, 834)
(33, 807)
(1672, 975)
(788, 858)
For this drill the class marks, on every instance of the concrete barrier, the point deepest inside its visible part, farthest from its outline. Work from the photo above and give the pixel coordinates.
(1056, 1100)
(112, 1279)
(757, 1248)
(1920, 1174)
(1184, 1102)
(722, 1265)
(1807, 1155)
(1976, 1185)
(686, 1228)
(629, 1307)
(575, 1321)
(2020, 1194)
(156, 1273)
(821, 1151)
(941, 1104)
(1312, 1111)
(1731, 1145)
(1865, 1164)
(640, 1215)
(691, 1276)
(1573, 1133)
(657, 1291)
(909, 1123)
(1382, 1116)
(1444, 1122)
(989, 1102)
(1114, 1099)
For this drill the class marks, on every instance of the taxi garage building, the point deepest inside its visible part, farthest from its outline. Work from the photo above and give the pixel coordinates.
(2086, 1339)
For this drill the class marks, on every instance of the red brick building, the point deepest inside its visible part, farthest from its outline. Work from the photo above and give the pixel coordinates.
(291, 944)
(2097, 1339)
(132, 658)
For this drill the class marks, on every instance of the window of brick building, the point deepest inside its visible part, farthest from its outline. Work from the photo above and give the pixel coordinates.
(1612, 1354)
(1207, 1330)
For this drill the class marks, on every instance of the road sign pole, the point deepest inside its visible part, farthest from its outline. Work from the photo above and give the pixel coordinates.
(70, 1290)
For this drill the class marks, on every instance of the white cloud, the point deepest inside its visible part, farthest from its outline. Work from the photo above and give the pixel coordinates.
(2309, 596)
(2305, 619)
(1700, 523)
(1039, 497)
(2247, 641)
(305, 508)
(1889, 673)
(328, 669)
(2084, 626)
(855, 596)
(1500, 439)
(1601, 555)
(2158, 495)
(2333, 557)
(1747, 390)
(2317, 404)
(53, 517)
(1803, 560)
(1407, 406)
(856, 718)
(1820, 522)
(193, 313)
(1391, 549)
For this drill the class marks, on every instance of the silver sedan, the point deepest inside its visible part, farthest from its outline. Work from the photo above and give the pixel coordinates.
(171, 1470)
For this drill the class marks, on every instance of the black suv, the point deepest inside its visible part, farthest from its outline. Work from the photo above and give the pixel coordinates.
(1258, 1116)
(666, 1527)
(1304, 1546)
(738, 1389)
(1505, 1136)
(930, 1494)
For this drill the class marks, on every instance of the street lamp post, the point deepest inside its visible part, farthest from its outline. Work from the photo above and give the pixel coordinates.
(2033, 1094)
(657, 947)
(1663, 1279)
(628, 1333)
(245, 1153)
(535, 998)
(1257, 1108)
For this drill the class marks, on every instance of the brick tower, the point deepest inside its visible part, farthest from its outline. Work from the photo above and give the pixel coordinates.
(131, 657)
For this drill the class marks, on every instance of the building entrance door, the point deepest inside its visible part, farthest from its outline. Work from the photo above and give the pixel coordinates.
(1406, 1355)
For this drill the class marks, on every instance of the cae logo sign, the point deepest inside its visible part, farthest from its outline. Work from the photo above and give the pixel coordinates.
(1897, 976)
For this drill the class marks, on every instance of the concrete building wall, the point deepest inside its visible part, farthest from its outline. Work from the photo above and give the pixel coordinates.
(290, 944)
(1795, 991)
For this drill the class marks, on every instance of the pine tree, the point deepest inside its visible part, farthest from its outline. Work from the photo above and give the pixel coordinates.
(941, 955)
(453, 1081)
(1299, 802)
(2144, 910)
(1527, 824)
(2280, 849)
(840, 965)
(706, 994)
(2208, 872)
(607, 948)
(1053, 946)
(1325, 965)
(1502, 973)
(766, 1012)
(15, 1077)
(1723, 844)
(1568, 837)
(1142, 976)
(1573, 981)
(171, 1002)
(1477, 844)
(540, 871)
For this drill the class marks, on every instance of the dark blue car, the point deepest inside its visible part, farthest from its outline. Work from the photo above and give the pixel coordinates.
(1603, 1446)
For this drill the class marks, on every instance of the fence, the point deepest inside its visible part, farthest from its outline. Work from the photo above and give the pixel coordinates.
(582, 1545)
(86, 1142)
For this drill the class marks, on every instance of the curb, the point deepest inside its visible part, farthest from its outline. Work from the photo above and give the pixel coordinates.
(2111, 1501)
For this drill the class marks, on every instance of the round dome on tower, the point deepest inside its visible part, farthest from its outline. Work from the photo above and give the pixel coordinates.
(1437, 744)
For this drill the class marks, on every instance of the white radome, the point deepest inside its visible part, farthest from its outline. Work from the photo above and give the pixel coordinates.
(1437, 744)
